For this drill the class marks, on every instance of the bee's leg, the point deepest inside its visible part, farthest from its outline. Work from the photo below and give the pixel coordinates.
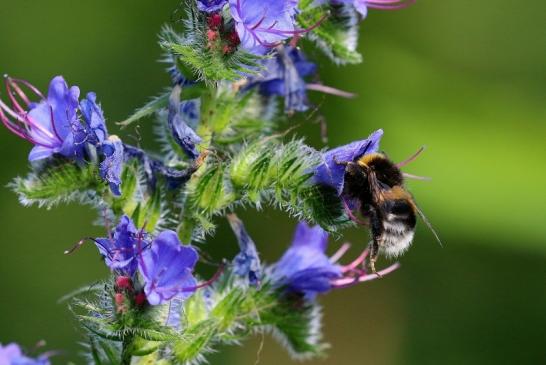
(377, 231)
(374, 253)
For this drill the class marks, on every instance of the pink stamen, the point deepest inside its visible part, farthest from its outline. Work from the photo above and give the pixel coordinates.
(389, 4)
(359, 260)
(32, 88)
(349, 281)
(340, 252)
(351, 215)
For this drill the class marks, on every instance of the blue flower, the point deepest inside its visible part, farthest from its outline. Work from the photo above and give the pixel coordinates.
(112, 165)
(284, 75)
(178, 119)
(305, 268)
(120, 251)
(166, 267)
(52, 124)
(13, 355)
(261, 24)
(247, 262)
(331, 173)
(94, 118)
(210, 6)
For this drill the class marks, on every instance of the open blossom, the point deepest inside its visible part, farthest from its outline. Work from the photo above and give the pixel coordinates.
(13, 355)
(261, 24)
(331, 173)
(166, 267)
(306, 269)
(120, 251)
(52, 124)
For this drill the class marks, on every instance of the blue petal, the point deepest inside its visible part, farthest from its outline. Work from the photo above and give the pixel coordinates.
(210, 6)
(112, 165)
(64, 104)
(247, 262)
(261, 25)
(331, 173)
(167, 269)
(39, 153)
(304, 267)
(182, 133)
(94, 117)
(120, 251)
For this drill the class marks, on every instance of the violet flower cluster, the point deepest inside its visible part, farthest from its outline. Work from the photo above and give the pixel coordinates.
(221, 151)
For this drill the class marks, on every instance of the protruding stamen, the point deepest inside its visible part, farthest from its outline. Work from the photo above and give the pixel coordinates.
(349, 281)
(340, 252)
(359, 260)
(330, 90)
(389, 4)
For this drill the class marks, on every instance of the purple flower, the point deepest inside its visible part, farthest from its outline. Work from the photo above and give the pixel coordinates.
(284, 75)
(261, 24)
(305, 268)
(13, 355)
(166, 268)
(120, 251)
(112, 165)
(179, 114)
(210, 6)
(52, 124)
(331, 173)
(247, 262)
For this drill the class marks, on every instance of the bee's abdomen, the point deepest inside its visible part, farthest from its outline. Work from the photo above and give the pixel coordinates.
(398, 227)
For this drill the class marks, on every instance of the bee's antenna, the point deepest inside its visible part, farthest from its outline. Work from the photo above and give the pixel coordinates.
(429, 225)
(411, 158)
(416, 177)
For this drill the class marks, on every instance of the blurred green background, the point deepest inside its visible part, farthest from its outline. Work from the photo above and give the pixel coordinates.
(466, 78)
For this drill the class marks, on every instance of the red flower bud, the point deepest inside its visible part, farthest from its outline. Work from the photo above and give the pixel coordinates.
(215, 21)
(233, 38)
(212, 35)
(124, 283)
(140, 299)
(119, 299)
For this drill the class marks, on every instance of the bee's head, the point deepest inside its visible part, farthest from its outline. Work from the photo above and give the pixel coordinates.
(385, 170)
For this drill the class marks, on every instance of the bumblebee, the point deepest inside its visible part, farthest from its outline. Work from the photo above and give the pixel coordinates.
(377, 184)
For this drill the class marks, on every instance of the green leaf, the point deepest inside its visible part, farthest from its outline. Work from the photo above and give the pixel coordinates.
(337, 34)
(157, 103)
(59, 182)
(297, 326)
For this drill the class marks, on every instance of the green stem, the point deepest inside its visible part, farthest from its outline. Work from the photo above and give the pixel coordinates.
(126, 352)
